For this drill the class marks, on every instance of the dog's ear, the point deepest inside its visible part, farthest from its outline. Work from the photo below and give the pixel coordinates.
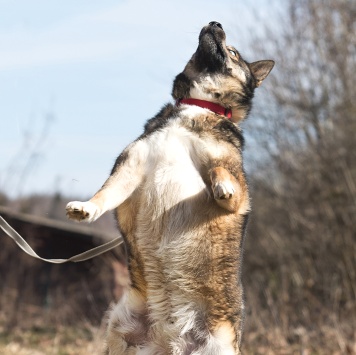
(181, 87)
(261, 69)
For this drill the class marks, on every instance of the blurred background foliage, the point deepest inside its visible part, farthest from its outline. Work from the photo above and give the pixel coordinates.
(300, 259)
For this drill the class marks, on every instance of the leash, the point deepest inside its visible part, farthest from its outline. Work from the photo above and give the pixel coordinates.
(89, 254)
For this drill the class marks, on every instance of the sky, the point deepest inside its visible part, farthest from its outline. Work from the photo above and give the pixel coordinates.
(78, 80)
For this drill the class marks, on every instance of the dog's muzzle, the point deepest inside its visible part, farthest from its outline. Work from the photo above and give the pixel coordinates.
(211, 54)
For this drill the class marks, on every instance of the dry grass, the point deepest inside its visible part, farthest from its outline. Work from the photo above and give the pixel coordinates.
(52, 341)
(324, 340)
(85, 339)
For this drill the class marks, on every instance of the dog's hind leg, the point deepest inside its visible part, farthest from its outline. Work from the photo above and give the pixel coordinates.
(127, 174)
(128, 325)
(229, 192)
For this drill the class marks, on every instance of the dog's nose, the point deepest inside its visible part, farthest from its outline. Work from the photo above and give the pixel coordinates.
(214, 23)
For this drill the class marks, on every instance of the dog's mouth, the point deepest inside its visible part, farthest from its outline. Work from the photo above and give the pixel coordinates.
(211, 53)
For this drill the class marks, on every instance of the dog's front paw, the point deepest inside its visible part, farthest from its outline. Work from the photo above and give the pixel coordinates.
(82, 211)
(223, 190)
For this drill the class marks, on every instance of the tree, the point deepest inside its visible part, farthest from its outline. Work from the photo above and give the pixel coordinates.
(302, 235)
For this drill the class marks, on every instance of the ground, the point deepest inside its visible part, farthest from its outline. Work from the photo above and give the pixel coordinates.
(87, 339)
(57, 341)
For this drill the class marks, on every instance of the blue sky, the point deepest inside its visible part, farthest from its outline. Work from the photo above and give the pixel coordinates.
(90, 73)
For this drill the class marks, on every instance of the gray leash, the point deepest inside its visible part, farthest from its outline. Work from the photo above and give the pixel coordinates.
(89, 254)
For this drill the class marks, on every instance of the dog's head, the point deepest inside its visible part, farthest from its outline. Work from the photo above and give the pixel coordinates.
(217, 73)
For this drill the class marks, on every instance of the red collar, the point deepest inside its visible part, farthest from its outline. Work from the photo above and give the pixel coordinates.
(220, 110)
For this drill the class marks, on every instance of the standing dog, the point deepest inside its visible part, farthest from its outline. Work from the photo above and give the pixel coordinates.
(182, 203)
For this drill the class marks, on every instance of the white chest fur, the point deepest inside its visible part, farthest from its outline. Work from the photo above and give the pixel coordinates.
(172, 171)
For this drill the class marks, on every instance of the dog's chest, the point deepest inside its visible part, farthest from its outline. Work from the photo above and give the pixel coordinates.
(176, 188)
(173, 167)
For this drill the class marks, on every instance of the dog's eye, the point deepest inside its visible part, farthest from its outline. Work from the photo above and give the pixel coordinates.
(233, 53)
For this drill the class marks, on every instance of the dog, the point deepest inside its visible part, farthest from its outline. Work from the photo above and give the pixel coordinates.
(181, 201)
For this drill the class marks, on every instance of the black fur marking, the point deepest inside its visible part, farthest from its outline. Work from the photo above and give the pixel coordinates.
(120, 160)
(181, 86)
(211, 62)
(160, 120)
(243, 234)
(210, 55)
(154, 124)
(231, 133)
(248, 93)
